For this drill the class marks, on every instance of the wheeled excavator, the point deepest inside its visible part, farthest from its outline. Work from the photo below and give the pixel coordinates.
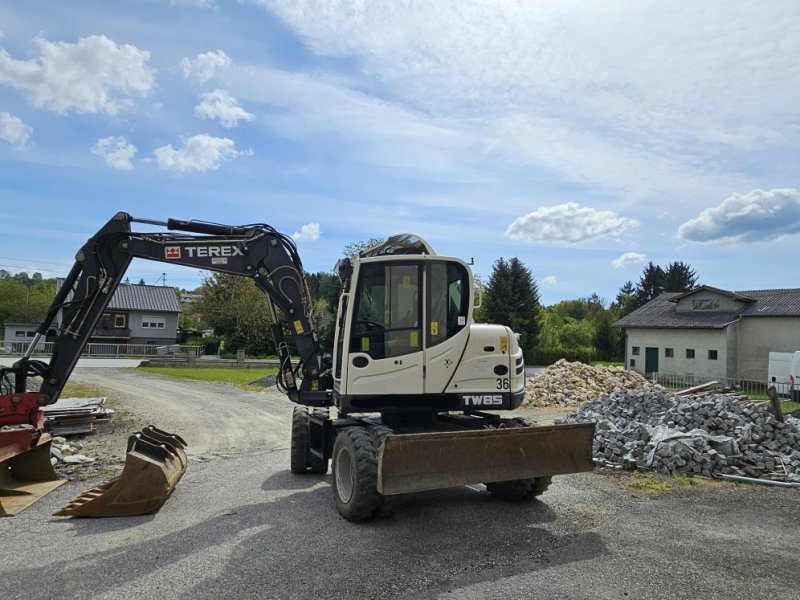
(410, 400)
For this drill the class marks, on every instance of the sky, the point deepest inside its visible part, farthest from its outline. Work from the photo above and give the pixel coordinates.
(586, 138)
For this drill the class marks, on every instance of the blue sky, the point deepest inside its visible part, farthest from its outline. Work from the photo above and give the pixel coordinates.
(585, 137)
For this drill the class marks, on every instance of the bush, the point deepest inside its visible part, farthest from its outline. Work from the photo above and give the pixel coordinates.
(548, 355)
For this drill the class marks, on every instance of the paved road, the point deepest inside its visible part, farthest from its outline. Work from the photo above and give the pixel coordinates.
(244, 527)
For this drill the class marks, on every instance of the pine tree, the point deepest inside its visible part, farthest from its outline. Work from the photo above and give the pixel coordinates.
(513, 300)
(679, 277)
(651, 284)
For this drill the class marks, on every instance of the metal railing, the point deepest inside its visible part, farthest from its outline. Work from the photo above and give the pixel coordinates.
(757, 390)
(14, 348)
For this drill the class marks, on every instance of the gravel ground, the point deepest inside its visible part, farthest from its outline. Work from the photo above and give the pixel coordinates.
(244, 527)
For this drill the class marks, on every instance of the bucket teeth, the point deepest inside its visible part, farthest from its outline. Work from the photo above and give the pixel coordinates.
(154, 463)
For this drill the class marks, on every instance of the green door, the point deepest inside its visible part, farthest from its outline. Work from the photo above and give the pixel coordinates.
(651, 360)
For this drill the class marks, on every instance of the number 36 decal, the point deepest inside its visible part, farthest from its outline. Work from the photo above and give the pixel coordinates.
(502, 383)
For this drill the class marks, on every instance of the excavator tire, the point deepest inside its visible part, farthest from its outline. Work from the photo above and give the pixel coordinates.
(299, 462)
(517, 490)
(317, 464)
(301, 458)
(355, 474)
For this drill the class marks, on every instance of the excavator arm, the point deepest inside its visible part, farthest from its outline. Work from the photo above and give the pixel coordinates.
(257, 251)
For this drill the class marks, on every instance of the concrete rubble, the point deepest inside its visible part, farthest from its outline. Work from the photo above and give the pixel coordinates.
(573, 383)
(708, 435)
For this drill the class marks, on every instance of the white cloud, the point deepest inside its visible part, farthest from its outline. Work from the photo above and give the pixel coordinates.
(14, 130)
(628, 258)
(116, 151)
(219, 104)
(549, 280)
(588, 82)
(94, 75)
(204, 66)
(200, 152)
(569, 223)
(757, 216)
(307, 233)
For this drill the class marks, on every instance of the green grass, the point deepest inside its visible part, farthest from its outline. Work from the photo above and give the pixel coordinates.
(607, 363)
(237, 377)
(788, 407)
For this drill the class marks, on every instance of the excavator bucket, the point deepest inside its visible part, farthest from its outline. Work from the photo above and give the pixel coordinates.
(154, 463)
(26, 473)
(427, 461)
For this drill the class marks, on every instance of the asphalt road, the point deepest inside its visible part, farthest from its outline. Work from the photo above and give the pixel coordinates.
(244, 527)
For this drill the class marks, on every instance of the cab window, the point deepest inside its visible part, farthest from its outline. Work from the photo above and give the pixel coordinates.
(448, 301)
(387, 311)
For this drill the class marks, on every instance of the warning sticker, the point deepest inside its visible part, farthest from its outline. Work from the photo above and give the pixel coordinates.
(172, 252)
(298, 327)
(434, 327)
(504, 344)
(413, 339)
(365, 344)
(219, 260)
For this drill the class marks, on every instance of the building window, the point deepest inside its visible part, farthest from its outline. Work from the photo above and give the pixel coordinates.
(669, 352)
(153, 322)
(119, 321)
(712, 355)
(633, 362)
(690, 353)
(19, 334)
(635, 350)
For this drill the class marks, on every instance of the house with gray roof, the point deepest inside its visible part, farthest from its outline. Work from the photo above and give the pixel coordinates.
(139, 314)
(712, 333)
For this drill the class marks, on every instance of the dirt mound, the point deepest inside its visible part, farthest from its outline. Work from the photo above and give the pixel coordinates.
(573, 383)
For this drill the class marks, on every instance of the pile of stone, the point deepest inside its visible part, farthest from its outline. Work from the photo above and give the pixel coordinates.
(709, 435)
(63, 452)
(573, 383)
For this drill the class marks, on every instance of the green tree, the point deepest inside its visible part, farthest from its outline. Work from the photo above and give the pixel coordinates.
(606, 337)
(679, 277)
(513, 300)
(353, 249)
(25, 299)
(238, 311)
(651, 283)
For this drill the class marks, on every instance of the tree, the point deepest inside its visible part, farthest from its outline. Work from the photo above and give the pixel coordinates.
(651, 283)
(679, 277)
(238, 311)
(606, 337)
(512, 299)
(353, 249)
(25, 299)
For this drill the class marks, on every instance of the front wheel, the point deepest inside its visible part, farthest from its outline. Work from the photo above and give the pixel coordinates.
(518, 489)
(355, 474)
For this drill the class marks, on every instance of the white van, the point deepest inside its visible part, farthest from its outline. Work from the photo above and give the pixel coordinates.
(784, 373)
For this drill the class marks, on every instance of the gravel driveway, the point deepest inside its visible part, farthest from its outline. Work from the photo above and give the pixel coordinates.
(244, 527)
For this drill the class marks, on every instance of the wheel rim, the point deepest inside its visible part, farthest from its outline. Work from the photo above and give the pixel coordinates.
(344, 475)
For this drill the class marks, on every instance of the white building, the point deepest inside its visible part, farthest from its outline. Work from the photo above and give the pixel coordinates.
(712, 333)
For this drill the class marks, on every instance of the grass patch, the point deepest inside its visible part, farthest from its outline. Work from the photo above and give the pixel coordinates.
(607, 363)
(788, 407)
(238, 377)
(648, 483)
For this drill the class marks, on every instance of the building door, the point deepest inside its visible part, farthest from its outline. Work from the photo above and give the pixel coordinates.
(651, 360)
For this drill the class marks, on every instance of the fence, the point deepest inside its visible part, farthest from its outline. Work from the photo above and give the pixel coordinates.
(15, 348)
(757, 390)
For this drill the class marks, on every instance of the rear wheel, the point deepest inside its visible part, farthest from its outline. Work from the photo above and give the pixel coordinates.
(355, 474)
(299, 462)
(302, 459)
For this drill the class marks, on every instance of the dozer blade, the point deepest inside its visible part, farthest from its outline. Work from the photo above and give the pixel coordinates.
(154, 464)
(25, 475)
(428, 461)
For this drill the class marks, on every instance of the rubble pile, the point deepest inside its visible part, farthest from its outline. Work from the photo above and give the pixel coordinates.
(708, 435)
(572, 383)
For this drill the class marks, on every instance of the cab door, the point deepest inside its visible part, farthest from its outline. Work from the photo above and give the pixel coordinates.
(385, 354)
(447, 314)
